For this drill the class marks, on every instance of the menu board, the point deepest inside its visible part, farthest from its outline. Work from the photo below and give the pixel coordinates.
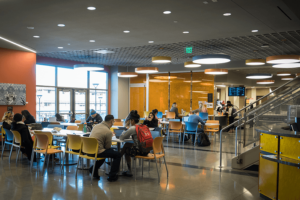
(236, 91)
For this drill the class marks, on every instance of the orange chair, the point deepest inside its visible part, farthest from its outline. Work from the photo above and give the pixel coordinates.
(174, 127)
(170, 115)
(118, 120)
(118, 124)
(74, 128)
(78, 121)
(211, 129)
(158, 152)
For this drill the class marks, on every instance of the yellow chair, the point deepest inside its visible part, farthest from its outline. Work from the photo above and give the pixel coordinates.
(80, 127)
(74, 128)
(89, 146)
(17, 142)
(73, 143)
(77, 121)
(146, 114)
(158, 152)
(41, 145)
(50, 139)
(174, 127)
(170, 115)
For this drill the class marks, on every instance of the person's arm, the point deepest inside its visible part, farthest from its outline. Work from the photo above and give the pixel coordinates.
(154, 123)
(89, 119)
(128, 133)
(201, 121)
(108, 140)
(99, 119)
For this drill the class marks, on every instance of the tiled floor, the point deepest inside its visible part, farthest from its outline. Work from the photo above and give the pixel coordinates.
(193, 174)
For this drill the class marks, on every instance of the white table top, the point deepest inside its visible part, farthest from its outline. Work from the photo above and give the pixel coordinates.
(64, 132)
(206, 124)
(151, 129)
(114, 139)
(69, 124)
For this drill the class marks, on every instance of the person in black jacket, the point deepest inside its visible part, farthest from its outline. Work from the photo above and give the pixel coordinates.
(58, 117)
(7, 120)
(18, 125)
(151, 121)
(28, 118)
(94, 117)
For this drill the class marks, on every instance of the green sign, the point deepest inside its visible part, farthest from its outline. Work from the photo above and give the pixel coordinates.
(189, 50)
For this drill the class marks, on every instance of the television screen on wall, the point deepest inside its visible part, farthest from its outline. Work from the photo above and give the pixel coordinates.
(236, 91)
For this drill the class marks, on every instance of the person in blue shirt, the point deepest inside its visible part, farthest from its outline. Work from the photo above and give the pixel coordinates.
(196, 118)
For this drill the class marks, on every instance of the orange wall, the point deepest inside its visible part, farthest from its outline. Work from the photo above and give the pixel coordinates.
(19, 68)
(138, 95)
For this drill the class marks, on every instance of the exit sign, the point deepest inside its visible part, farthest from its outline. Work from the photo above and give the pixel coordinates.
(189, 50)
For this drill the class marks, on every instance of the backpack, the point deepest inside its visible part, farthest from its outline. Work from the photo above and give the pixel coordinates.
(203, 140)
(144, 137)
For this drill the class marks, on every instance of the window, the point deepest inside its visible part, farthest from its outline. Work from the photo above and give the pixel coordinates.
(98, 80)
(71, 78)
(101, 102)
(45, 102)
(45, 75)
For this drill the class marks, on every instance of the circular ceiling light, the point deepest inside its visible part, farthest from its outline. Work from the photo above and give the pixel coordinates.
(254, 31)
(259, 76)
(126, 31)
(61, 25)
(255, 62)
(36, 36)
(186, 32)
(221, 85)
(287, 78)
(284, 74)
(151, 42)
(227, 14)
(146, 70)
(161, 59)
(211, 59)
(127, 74)
(192, 81)
(165, 77)
(263, 82)
(281, 59)
(91, 8)
(92, 41)
(287, 65)
(60, 47)
(191, 64)
(89, 67)
(216, 71)
(167, 12)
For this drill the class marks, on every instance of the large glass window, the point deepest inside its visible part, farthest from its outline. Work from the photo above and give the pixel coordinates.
(71, 78)
(98, 102)
(45, 75)
(45, 103)
(98, 80)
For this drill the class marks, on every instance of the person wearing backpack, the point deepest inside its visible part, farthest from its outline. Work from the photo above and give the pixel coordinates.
(142, 140)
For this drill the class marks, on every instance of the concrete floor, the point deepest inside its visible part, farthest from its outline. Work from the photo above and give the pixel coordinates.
(194, 173)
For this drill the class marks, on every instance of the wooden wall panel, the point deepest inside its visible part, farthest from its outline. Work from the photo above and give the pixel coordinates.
(138, 99)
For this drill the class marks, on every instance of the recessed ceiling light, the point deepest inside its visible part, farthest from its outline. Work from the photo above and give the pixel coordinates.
(126, 31)
(227, 14)
(91, 8)
(92, 41)
(167, 12)
(185, 32)
(265, 46)
(30, 27)
(36, 36)
(60, 47)
(259, 76)
(254, 31)
(104, 51)
(61, 25)
(151, 42)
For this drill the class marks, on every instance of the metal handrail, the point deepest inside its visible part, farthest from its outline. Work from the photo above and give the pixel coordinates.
(267, 95)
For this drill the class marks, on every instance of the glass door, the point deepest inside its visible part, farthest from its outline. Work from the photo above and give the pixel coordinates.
(65, 103)
(80, 111)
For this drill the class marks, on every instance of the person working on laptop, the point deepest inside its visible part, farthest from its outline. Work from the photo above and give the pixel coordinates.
(196, 119)
(94, 117)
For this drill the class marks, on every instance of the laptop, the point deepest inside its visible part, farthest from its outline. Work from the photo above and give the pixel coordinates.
(118, 132)
(52, 119)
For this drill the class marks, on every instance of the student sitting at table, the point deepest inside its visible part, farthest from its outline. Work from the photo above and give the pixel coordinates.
(128, 148)
(7, 120)
(151, 121)
(94, 117)
(155, 111)
(27, 117)
(104, 137)
(18, 125)
(175, 109)
(58, 117)
(196, 118)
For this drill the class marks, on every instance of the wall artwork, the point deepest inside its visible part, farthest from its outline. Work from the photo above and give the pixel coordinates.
(12, 94)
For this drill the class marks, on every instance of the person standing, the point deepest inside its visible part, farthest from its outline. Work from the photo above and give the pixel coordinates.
(175, 109)
(104, 137)
(230, 110)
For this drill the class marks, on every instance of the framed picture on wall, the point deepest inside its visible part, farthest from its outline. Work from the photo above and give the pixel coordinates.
(12, 94)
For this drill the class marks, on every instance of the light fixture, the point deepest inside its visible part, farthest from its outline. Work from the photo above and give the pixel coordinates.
(211, 59)
(92, 41)
(2, 38)
(61, 25)
(192, 81)
(151, 42)
(146, 70)
(36, 36)
(89, 67)
(287, 65)
(126, 31)
(227, 14)
(91, 8)
(186, 32)
(282, 59)
(165, 77)
(60, 47)
(255, 62)
(127, 74)
(259, 76)
(104, 51)
(287, 78)
(30, 27)
(254, 31)
(263, 82)
(158, 81)
(191, 64)
(161, 59)
(284, 74)
(221, 85)
(216, 71)
(167, 12)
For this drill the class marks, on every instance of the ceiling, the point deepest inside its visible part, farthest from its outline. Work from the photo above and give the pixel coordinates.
(209, 30)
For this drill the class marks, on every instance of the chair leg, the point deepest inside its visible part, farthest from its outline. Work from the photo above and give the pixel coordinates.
(63, 161)
(149, 165)
(18, 155)
(48, 159)
(134, 163)
(166, 167)
(53, 162)
(31, 162)
(3, 146)
(77, 168)
(183, 138)
(157, 170)
(45, 159)
(93, 170)
(61, 166)
(142, 167)
(11, 149)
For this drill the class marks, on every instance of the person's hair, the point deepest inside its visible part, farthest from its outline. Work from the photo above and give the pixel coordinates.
(108, 118)
(150, 114)
(155, 111)
(5, 116)
(17, 117)
(228, 102)
(58, 117)
(196, 111)
(25, 113)
(134, 115)
(174, 104)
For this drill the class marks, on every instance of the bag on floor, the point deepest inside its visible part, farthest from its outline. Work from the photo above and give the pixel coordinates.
(203, 140)
(144, 137)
